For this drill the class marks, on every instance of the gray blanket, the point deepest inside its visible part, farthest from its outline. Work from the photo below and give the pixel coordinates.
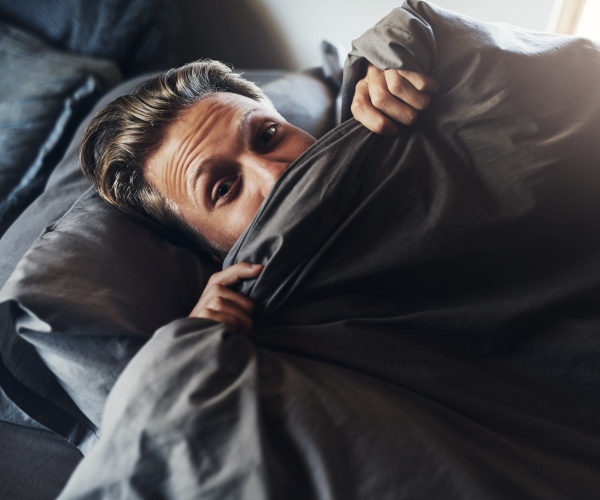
(428, 316)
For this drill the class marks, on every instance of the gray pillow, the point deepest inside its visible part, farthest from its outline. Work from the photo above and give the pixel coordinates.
(86, 296)
(64, 186)
(44, 93)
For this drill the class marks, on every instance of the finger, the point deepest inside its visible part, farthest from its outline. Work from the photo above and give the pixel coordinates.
(402, 90)
(394, 108)
(397, 107)
(239, 300)
(239, 324)
(224, 305)
(419, 81)
(365, 112)
(391, 106)
(215, 293)
(236, 273)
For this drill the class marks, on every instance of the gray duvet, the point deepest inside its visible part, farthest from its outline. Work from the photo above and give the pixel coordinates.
(428, 319)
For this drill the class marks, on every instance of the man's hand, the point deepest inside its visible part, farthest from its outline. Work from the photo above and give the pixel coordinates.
(220, 303)
(384, 99)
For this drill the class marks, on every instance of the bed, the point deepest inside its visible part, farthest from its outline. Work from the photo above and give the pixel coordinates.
(426, 321)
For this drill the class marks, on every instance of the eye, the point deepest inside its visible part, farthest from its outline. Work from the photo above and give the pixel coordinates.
(225, 189)
(267, 135)
(222, 190)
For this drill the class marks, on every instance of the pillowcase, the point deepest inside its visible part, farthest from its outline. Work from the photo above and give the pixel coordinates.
(47, 92)
(65, 184)
(87, 294)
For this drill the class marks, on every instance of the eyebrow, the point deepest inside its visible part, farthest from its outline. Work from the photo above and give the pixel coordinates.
(246, 118)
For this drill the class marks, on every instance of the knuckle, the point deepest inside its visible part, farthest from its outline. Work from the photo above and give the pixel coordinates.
(208, 313)
(379, 125)
(361, 87)
(410, 118)
(357, 106)
(217, 303)
(378, 99)
(361, 83)
(216, 279)
(371, 69)
(420, 83)
(397, 86)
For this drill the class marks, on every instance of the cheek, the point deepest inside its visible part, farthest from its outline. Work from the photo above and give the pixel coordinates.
(303, 141)
(233, 225)
(246, 213)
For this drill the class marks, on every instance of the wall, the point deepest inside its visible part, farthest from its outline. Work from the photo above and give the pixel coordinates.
(287, 33)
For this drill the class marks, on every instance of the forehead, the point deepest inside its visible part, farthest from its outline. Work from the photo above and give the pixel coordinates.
(200, 130)
(219, 109)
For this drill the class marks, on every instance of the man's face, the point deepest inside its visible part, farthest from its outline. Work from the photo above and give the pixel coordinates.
(219, 161)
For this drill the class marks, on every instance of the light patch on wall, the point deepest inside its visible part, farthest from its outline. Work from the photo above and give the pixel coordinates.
(589, 23)
(576, 17)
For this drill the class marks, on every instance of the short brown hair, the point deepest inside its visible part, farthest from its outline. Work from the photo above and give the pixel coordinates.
(127, 132)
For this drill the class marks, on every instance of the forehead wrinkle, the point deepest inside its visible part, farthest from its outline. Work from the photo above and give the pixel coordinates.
(186, 142)
(189, 133)
(205, 162)
(173, 161)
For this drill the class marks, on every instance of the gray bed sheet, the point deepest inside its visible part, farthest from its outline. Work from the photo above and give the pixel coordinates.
(427, 318)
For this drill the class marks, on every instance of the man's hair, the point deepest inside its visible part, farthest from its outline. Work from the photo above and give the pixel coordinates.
(128, 131)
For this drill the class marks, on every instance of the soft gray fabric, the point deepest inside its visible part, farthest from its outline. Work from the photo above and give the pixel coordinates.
(139, 35)
(34, 464)
(44, 93)
(427, 318)
(200, 413)
(90, 291)
(65, 185)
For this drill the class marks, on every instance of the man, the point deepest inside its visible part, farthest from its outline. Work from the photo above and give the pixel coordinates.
(199, 148)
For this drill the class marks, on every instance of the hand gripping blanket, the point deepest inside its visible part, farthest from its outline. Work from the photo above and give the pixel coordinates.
(428, 318)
